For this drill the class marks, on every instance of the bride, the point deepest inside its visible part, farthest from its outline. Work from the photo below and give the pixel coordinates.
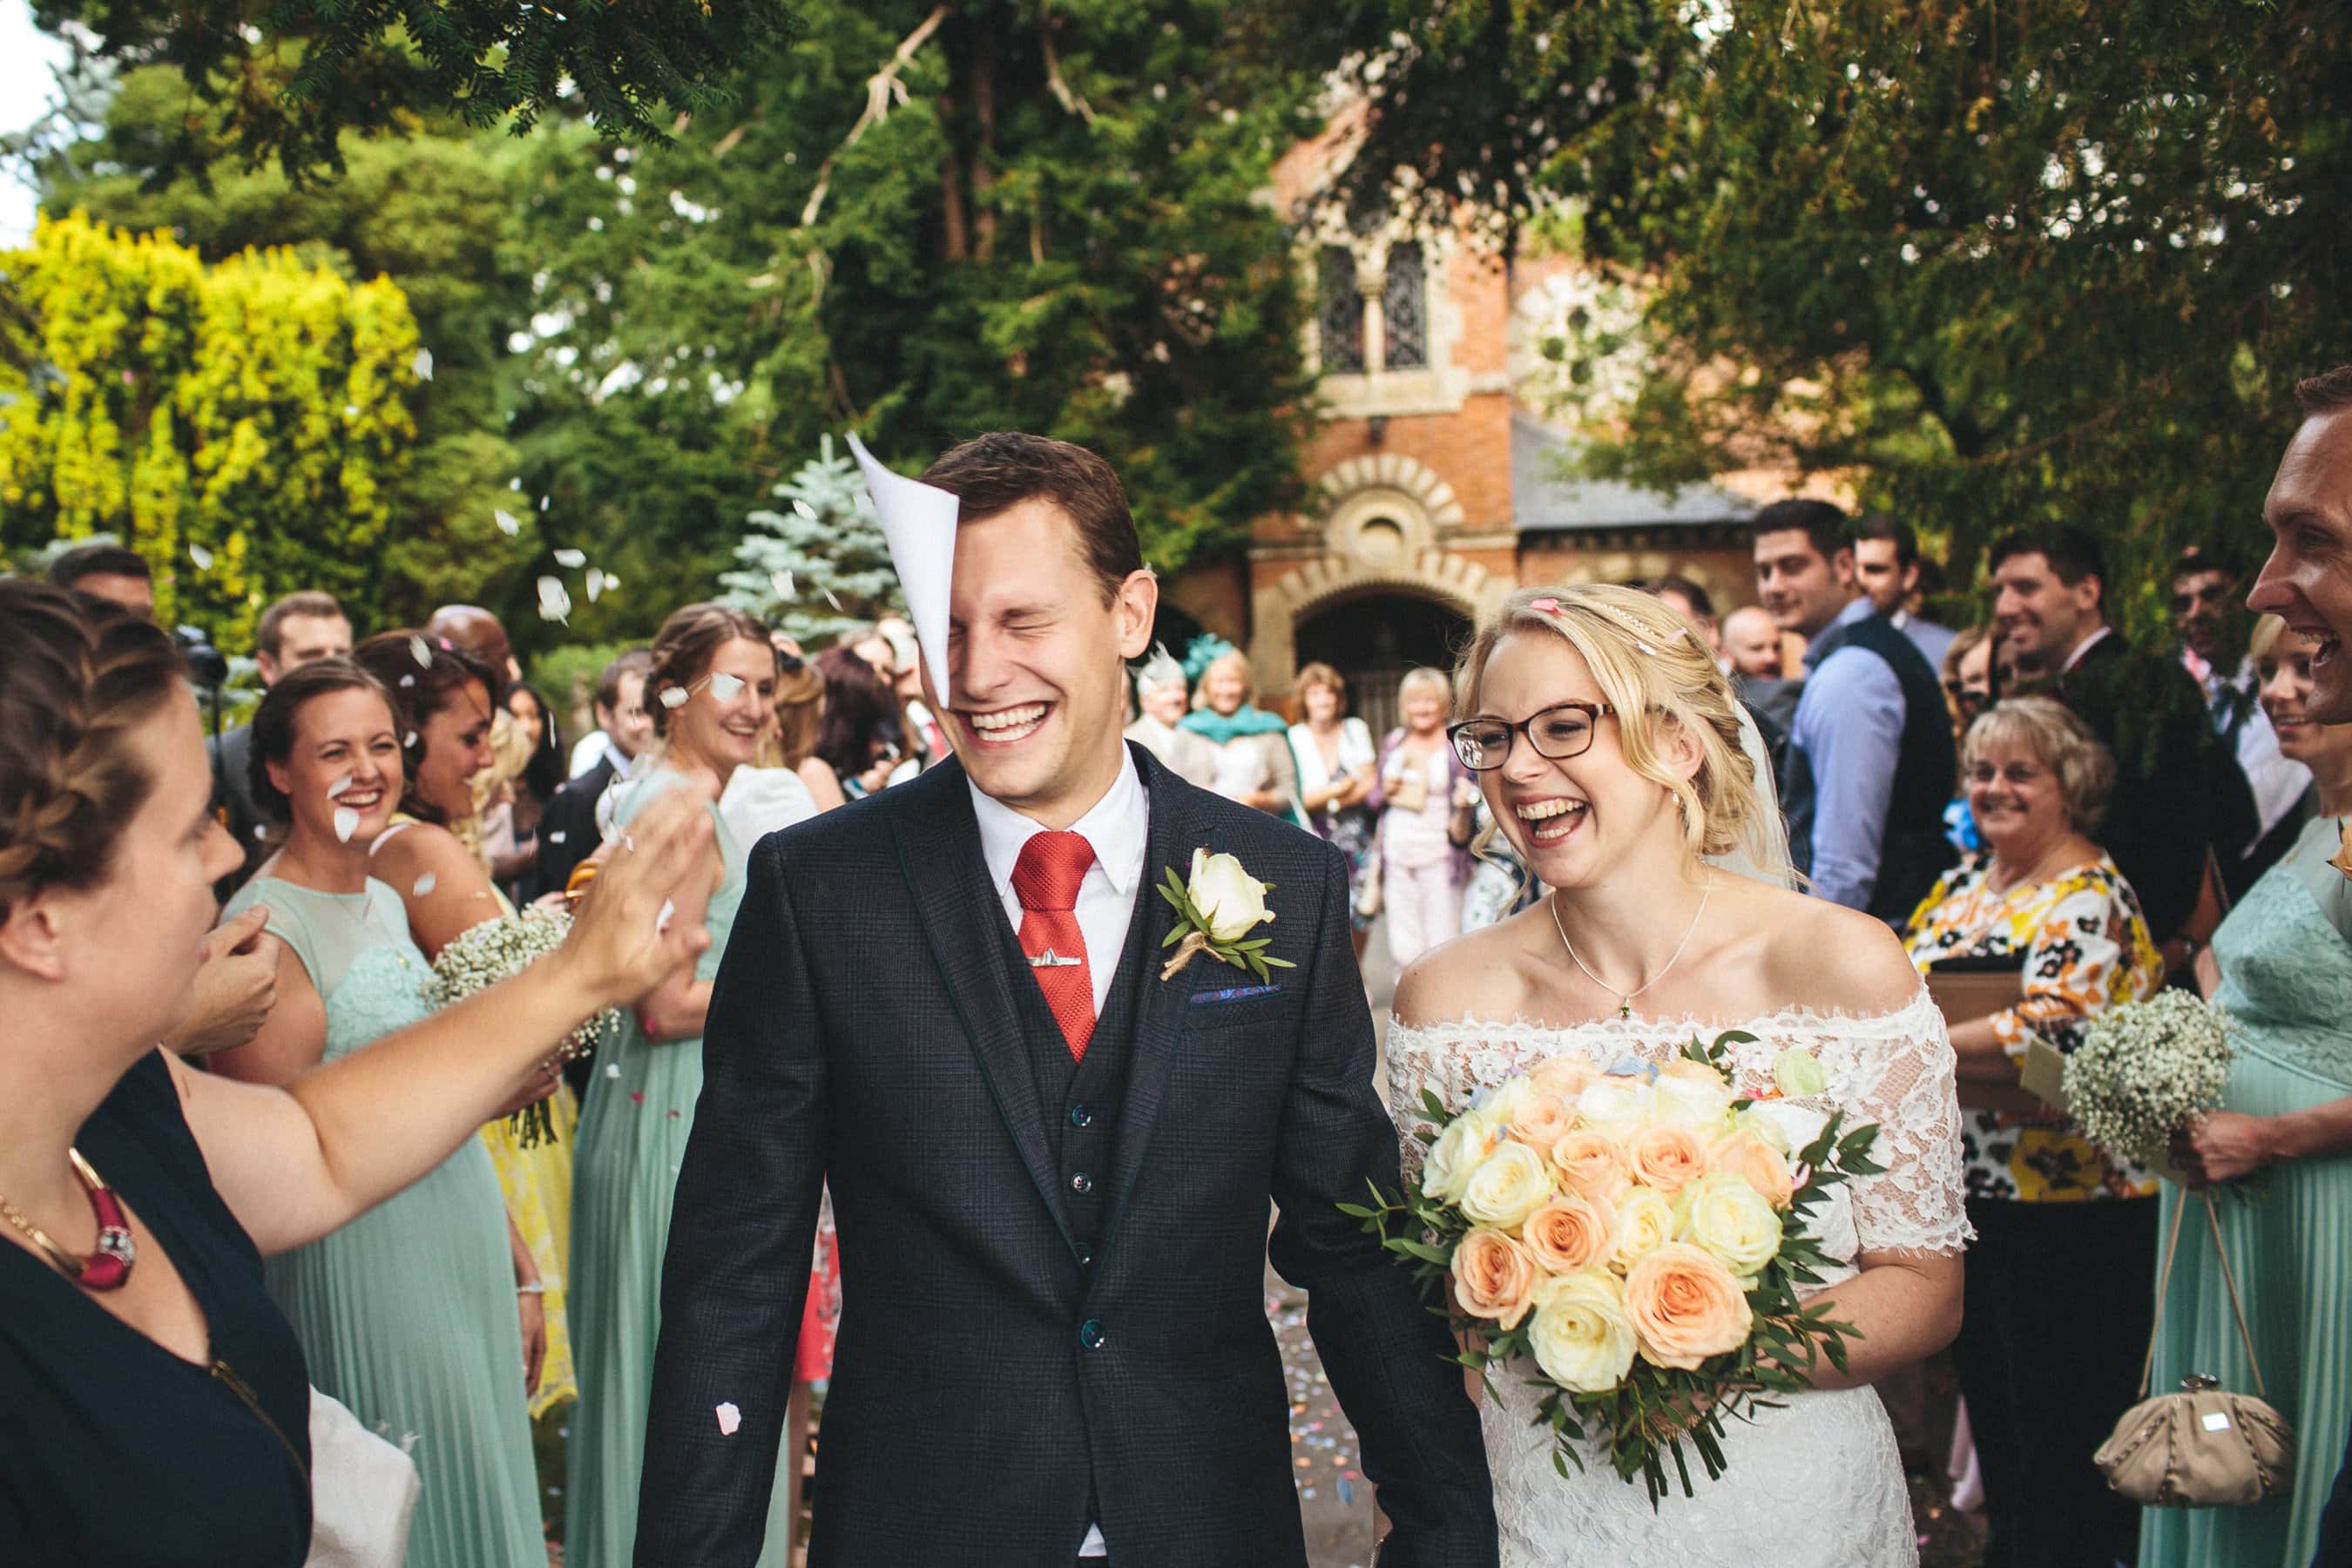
(1609, 748)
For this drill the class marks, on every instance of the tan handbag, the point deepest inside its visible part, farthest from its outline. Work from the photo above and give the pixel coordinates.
(2204, 1447)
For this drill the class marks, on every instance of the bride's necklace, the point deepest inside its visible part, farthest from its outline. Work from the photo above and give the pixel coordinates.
(1625, 999)
(104, 1269)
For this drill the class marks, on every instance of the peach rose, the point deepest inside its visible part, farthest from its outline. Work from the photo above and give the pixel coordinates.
(1540, 1120)
(1564, 1078)
(1666, 1158)
(1569, 1233)
(1493, 1275)
(1746, 1155)
(1685, 1307)
(1592, 1162)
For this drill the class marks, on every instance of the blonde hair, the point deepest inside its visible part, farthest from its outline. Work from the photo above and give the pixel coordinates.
(1660, 677)
(1235, 658)
(2267, 632)
(1424, 677)
(2065, 745)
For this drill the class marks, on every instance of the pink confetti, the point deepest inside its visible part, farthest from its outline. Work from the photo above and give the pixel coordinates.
(730, 1418)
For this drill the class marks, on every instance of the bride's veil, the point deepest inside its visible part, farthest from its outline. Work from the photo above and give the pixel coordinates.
(1762, 851)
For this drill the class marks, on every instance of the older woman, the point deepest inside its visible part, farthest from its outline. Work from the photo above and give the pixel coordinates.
(157, 1408)
(2282, 966)
(1427, 806)
(1336, 773)
(1253, 762)
(2057, 1309)
(1161, 696)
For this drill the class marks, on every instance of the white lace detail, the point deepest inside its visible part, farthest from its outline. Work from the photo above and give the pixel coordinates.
(1816, 1483)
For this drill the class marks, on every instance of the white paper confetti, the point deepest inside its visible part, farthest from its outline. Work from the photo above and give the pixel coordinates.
(425, 884)
(595, 584)
(543, 500)
(726, 687)
(831, 600)
(612, 1069)
(730, 1418)
(421, 651)
(669, 913)
(558, 837)
(335, 790)
(409, 681)
(261, 830)
(554, 601)
(786, 589)
(570, 557)
(506, 523)
(423, 364)
(201, 556)
(347, 821)
(806, 509)
(673, 697)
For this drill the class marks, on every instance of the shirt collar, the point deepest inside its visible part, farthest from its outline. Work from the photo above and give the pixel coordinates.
(1860, 609)
(1115, 827)
(2086, 646)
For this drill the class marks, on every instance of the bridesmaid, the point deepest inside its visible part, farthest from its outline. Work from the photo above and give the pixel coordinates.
(443, 703)
(2281, 966)
(408, 1313)
(709, 691)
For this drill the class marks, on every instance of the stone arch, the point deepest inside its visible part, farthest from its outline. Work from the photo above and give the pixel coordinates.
(1314, 587)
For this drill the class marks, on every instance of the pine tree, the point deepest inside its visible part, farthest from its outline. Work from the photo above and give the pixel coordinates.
(820, 565)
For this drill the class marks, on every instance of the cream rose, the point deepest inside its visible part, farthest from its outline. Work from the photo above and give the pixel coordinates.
(1796, 1073)
(1493, 1275)
(1564, 1078)
(1580, 1336)
(1460, 1149)
(1645, 1222)
(1507, 1186)
(1540, 1121)
(1499, 1103)
(1570, 1233)
(1592, 1162)
(1665, 1158)
(1691, 1095)
(1231, 901)
(1746, 1154)
(1615, 1105)
(1733, 1223)
(1685, 1307)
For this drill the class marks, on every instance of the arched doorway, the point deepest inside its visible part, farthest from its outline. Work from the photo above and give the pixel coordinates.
(1372, 639)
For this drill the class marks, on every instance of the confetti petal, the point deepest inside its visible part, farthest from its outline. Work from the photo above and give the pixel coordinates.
(201, 556)
(730, 1418)
(336, 789)
(506, 523)
(425, 884)
(409, 681)
(595, 584)
(806, 509)
(571, 557)
(673, 697)
(669, 913)
(726, 687)
(347, 821)
(831, 600)
(612, 1069)
(421, 651)
(554, 601)
(781, 582)
(543, 500)
(558, 837)
(423, 364)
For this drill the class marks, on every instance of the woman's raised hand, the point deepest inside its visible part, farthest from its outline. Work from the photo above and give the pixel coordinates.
(627, 935)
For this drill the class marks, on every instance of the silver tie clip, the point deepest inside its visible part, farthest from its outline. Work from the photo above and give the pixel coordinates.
(1049, 959)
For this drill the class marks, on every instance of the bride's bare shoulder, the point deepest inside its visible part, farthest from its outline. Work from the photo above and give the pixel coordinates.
(1482, 974)
(1826, 956)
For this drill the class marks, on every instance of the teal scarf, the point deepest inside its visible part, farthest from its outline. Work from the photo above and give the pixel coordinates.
(1224, 729)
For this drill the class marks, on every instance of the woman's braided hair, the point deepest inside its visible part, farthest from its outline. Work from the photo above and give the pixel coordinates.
(78, 679)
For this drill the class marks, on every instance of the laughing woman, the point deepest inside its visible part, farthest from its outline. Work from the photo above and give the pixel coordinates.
(408, 1314)
(713, 684)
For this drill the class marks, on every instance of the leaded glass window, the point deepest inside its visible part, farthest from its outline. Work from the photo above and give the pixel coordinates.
(1339, 311)
(1404, 308)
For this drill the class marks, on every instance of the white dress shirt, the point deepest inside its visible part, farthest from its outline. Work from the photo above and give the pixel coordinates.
(1119, 827)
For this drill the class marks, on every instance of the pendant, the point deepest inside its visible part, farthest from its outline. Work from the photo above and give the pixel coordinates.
(1625, 1010)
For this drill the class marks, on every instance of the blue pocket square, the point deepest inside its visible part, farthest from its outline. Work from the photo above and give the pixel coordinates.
(1232, 993)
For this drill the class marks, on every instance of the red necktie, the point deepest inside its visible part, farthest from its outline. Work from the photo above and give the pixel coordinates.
(1046, 879)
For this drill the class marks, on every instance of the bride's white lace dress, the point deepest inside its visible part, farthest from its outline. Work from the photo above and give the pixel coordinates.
(1816, 1483)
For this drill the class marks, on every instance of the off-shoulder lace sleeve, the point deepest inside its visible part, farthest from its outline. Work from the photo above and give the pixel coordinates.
(1897, 1070)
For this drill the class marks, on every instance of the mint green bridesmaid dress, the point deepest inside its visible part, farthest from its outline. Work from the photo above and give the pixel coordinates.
(407, 1314)
(2287, 977)
(633, 1132)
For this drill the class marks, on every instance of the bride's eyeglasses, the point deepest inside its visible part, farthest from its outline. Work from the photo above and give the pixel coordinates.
(1557, 733)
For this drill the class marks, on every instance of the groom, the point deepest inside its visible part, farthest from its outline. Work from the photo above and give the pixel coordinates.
(1050, 1167)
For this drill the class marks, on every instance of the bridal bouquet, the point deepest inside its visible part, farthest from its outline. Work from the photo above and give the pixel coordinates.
(497, 949)
(1639, 1235)
(2146, 1070)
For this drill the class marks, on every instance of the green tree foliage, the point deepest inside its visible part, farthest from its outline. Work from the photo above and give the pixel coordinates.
(2002, 264)
(241, 425)
(819, 565)
(371, 64)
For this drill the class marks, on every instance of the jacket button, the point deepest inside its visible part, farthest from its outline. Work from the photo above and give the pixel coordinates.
(1090, 1334)
(1081, 1117)
(1086, 1259)
(1082, 1182)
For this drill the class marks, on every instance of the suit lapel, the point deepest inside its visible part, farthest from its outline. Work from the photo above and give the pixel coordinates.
(975, 951)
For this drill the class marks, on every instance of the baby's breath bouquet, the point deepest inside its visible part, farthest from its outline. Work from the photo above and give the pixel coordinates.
(2146, 1070)
(498, 949)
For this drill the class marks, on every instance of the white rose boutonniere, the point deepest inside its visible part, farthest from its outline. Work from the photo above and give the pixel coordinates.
(1215, 912)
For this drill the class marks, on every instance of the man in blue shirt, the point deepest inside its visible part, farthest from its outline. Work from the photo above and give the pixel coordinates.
(1871, 760)
(1886, 560)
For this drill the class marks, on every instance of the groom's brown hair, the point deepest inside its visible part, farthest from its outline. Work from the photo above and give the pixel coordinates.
(992, 473)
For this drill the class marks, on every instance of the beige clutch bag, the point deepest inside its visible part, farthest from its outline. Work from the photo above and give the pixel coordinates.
(2203, 1446)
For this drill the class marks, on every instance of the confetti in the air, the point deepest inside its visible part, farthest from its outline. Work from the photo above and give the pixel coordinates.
(831, 600)
(555, 600)
(595, 584)
(409, 681)
(567, 556)
(506, 523)
(806, 509)
(347, 821)
(730, 1418)
(558, 837)
(421, 651)
(786, 589)
(423, 364)
(726, 687)
(425, 884)
(669, 913)
(543, 500)
(335, 790)
(673, 697)
(612, 1069)
(201, 556)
